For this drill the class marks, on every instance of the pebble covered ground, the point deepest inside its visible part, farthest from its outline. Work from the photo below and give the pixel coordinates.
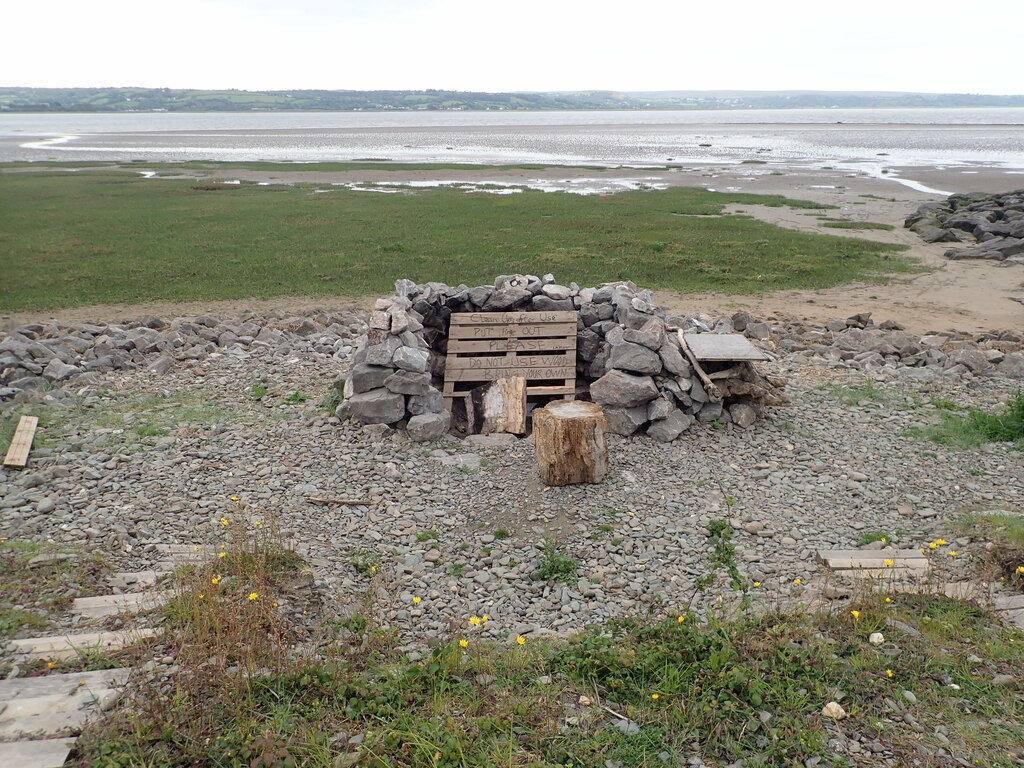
(128, 459)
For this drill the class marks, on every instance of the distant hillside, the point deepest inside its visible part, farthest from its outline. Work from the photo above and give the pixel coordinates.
(178, 100)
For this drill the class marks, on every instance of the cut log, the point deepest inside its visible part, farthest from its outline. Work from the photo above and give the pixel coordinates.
(499, 406)
(570, 442)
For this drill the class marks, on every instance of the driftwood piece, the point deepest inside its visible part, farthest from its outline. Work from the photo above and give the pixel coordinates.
(748, 382)
(499, 406)
(570, 442)
(709, 386)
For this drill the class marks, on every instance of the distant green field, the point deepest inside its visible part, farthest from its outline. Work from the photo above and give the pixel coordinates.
(104, 236)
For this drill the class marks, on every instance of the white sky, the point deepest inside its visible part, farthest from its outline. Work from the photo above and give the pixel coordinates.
(492, 45)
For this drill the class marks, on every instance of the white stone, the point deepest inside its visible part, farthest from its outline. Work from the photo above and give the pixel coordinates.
(833, 710)
(876, 638)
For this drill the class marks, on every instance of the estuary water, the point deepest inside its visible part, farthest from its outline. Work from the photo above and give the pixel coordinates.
(866, 139)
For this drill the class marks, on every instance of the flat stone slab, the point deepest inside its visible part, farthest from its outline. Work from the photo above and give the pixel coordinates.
(725, 347)
(57, 704)
(111, 605)
(41, 753)
(63, 684)
(53, 724)
(68, 646)
(129, 579)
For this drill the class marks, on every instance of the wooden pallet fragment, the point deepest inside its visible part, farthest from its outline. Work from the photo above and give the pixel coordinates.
(21, 444)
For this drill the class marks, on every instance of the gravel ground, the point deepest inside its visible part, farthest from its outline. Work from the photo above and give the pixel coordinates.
(136, 458)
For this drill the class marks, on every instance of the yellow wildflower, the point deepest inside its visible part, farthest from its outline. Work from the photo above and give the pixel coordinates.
(521, 640)
(856, 615)
(884, 540)
(258, 523)
(485, 618)
(889, 563)
(655, 696)
(417, 600)
(798, 581)
(681, 619)
(373, 569)
(222, 554)
(253, 596)
(197, 548)
(888, 673)
(952, 553)
(888, 599)
(233, 498)
(1020, 569)
(941, 542)
(757, 583)
(215, 580)
(50, 665)
(202, 595)
(464, 642)
(224, 521)
(933, 544)
(474, 620)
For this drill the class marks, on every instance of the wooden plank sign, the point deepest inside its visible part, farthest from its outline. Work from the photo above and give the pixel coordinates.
(732, 347)
(487, 346)
(21, 444)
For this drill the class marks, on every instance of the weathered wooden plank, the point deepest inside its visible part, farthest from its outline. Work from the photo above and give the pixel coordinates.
(490, 374)
(21, 444)
(722, 346)
(511, 361)
(460, 346)
(512, 318)
(519, 331)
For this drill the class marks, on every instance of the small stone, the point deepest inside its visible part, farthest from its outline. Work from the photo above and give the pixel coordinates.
(909, 696)
(876, 638)
(1004, 681)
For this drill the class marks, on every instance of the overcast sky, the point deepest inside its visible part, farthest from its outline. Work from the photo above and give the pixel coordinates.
(494, 45)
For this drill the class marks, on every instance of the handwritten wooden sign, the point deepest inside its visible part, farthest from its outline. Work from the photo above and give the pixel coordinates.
(487, 346)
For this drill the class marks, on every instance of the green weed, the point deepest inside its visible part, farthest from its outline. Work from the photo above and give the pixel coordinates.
(555, 565)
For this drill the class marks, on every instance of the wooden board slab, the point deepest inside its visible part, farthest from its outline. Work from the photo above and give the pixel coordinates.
(17, 454)
(722, 347)
(511, 318)
(858, 559)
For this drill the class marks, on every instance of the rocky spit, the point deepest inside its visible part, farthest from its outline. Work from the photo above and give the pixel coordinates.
(994, 222)
(162, 423)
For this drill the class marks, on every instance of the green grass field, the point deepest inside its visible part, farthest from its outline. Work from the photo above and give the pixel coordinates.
(101, 236)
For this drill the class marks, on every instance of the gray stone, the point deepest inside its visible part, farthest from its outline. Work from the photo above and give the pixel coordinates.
(428, 426)
(596, 313)
(972, 359)
(743, 415)
(408, 382)
(673, 360)
(625, 421)
(710, 412)
(56, 370)
(431, 402)
(669, 428)
(542, 303)
(365, 377)
(660, 408)
(161, 365)
(588, 344)
(507, 298)
(650, 335)
(480, 295)
(628, 356)
(409, 359)
(382, 352)
(378, 406)
(624, 390)
(556, 292)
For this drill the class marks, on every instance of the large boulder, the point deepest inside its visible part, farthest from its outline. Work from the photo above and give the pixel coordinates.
(408, 383)
(624, 390)
(425, 427)
(627, 356)
(366, 377)
(378, 406)
(625, 421)
(668, 429)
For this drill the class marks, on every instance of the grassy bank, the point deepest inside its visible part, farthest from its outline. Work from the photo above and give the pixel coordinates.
(107, 236)
(634, 693)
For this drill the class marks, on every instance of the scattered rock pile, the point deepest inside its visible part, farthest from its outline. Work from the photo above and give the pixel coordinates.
(38, 356)
(858, 343)
(627, 352)
(996, 222)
